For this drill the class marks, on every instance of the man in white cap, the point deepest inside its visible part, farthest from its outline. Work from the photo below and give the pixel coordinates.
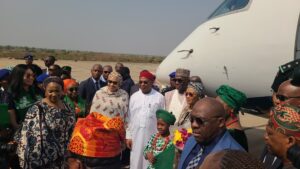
(175, 99)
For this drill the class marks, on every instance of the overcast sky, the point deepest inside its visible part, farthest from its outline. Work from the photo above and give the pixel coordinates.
(151, 27)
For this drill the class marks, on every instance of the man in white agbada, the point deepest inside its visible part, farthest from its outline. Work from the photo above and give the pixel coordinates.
(142, 119)
(175, 99)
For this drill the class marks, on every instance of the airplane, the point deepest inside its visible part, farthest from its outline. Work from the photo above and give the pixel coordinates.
(242, 44)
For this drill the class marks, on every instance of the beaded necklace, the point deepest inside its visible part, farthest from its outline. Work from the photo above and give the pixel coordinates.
(167, 140)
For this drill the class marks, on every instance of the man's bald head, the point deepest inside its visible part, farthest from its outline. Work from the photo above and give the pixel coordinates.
(96, 71)
(287, 94)
(207, 120)
(210, 106)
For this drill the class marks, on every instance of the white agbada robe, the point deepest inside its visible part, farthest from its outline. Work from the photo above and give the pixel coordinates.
(142, 124)
(177, 104)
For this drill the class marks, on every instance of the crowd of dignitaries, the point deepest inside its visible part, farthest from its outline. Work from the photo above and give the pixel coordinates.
(50, 120)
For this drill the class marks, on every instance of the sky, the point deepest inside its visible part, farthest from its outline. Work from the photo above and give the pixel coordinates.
(148, 27)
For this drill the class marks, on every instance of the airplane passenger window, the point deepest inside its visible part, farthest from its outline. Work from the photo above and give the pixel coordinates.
(229, 6)
(297, 54)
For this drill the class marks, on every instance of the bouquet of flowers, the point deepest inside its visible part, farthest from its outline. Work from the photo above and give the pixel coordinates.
(181, 136)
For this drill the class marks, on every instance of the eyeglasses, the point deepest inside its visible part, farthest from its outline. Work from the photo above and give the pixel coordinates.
(112, 82)
(202, 121)
(106, 72)
(73, 89)
(284, 98)
(178, 80)
(143, 82)
(189, 94)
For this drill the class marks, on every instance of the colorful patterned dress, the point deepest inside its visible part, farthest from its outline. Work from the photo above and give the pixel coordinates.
(43, 139)
(163, 151)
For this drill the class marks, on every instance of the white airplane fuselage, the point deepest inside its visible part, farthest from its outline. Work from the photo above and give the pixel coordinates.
(242, 48)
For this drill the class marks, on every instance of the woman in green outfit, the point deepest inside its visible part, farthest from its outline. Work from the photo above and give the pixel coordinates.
(232, 100)
(22, 90)
(73, 99)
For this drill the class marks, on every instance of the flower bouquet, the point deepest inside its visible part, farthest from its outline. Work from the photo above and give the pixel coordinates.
(180, 137)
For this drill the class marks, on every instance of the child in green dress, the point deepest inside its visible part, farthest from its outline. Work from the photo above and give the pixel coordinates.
(160, 151)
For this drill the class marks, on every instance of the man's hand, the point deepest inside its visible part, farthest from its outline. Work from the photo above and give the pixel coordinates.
(129, 143)
(150, 157)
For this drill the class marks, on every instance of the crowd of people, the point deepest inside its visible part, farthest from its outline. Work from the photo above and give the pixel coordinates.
(50, 120)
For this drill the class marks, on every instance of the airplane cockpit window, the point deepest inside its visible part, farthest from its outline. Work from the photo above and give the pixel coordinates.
(229, 6)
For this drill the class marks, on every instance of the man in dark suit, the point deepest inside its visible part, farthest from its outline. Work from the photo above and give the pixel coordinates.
(88, 88)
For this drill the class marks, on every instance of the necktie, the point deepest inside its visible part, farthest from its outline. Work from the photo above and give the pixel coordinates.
(194, 162)
(97, 85)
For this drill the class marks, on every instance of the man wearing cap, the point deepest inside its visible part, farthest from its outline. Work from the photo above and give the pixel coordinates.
(7, 120)
(4, 79)
(283, 132)
(175, 99)
(142, 119)
(286, 91)
(171, 82)
(29, 61)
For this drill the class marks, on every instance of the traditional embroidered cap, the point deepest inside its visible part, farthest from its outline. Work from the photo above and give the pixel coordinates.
(4, 73)
(68, 83)
(232, 97)
(41, 78)
(183, 73)
(198, 87)
(286, 120)
(172, 75)
(166, 116)
(148, 75)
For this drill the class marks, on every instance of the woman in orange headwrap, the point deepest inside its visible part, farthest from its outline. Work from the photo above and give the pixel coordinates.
(99, 139)
(73, 99)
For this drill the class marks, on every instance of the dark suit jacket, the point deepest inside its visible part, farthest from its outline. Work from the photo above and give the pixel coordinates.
(268, 159)
(87, 90)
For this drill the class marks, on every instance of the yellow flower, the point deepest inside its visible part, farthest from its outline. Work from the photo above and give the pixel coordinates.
(177, 136)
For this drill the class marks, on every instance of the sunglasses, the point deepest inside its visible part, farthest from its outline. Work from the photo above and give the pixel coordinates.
(284, 98)
(178, 80)
(72, 89)
(143, 82)
(189, 94)
(106, 72)
(202, 121)
(112, 82)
